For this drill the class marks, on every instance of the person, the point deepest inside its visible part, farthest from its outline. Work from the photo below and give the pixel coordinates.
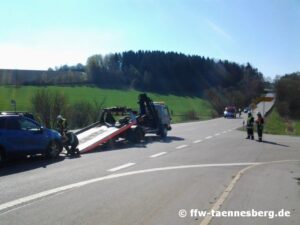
(260, 126)
(250, 123)
(69, 138)
(62, 125)
(240, 112)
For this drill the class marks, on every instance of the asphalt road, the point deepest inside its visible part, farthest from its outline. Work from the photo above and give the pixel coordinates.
(200, 166)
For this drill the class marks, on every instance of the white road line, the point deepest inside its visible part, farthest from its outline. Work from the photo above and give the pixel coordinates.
(208, 137)
(121, 167)
(197, 141)
(217, 134)
(158, 154)
(30, 198)
(224, 132)
(223, 197)
(229, 130)
(181, 146)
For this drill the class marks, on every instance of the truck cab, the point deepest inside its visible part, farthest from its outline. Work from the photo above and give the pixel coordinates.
(154, 117)
(163, 114)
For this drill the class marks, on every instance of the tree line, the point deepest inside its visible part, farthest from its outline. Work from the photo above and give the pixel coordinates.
(288, 95)
(222, 82)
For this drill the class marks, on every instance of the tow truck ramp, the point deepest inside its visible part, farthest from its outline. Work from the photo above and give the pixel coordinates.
(99, 135)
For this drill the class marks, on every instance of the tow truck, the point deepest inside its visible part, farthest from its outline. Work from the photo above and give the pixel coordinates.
(124, 123)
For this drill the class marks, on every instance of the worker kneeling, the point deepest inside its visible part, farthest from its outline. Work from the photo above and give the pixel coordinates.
(70, 140)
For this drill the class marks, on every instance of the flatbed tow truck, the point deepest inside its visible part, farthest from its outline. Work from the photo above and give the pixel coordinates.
(153, 117)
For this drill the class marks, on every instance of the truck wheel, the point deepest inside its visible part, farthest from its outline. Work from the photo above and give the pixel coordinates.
(163, 132)
(139, 134)
(53, 150)
(135, 135)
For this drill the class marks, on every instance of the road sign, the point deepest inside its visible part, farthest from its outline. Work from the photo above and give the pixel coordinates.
(264, 99)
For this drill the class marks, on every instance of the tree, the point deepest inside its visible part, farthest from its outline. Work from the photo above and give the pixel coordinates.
(288, 95)
(59, 106)
(47, 105)
(41, 106)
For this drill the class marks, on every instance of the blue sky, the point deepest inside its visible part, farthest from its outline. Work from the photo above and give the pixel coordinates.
(38, 34)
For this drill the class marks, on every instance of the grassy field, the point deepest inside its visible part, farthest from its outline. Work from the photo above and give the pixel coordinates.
(178, 105)
(275, 124)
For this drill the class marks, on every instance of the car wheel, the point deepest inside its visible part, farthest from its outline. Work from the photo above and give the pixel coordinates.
(53, 150)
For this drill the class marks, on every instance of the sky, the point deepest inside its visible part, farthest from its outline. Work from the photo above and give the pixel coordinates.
(38, 34)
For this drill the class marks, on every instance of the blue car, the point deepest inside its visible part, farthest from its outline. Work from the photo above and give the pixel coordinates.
(230, 112)
(22, 136)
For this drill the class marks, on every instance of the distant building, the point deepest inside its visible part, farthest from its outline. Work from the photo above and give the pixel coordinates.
(40, 77)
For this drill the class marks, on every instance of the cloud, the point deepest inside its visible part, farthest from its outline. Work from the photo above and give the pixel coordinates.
(219, 30)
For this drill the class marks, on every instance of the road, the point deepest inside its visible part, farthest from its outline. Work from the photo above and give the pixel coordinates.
(200, 166)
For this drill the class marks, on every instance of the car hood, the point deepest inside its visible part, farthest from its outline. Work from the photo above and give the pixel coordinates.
(52, 133)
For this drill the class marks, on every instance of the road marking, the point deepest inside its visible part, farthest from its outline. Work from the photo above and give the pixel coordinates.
(158, 154)
(217, 134)
(121, 167)
(224, 132)
(208, 137)
(207, 219)
(30, 198)
(181, 146)
(229, 130)
(197, 141)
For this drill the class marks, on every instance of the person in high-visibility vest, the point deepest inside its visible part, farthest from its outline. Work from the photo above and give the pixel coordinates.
(260, 126)
(249, 125)
(69, 139)
(61, 124)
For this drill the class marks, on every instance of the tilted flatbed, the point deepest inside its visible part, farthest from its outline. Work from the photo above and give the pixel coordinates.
(99, 135)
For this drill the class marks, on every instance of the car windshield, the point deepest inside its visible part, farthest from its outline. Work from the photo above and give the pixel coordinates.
(232, 110)
(28, 125)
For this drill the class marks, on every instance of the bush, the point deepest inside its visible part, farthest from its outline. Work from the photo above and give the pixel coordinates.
(288, 95)
(80, 114)
(47, 105)
(191, 115)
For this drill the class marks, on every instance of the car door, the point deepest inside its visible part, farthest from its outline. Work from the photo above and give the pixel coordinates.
(36, 139)
(16, 141)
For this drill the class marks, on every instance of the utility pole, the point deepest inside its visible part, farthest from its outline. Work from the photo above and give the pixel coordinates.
(14, 104)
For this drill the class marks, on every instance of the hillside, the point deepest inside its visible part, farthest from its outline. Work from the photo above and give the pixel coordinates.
(168, 73)
(285, 118)
(276, 124)
(222, 82)
(179, 106)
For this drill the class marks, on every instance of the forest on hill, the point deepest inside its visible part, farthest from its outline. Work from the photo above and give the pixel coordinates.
(221, 82)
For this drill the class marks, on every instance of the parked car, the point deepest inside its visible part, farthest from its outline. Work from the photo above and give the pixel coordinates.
(247, 109)
(230, 112)
(21, 136)
(27, 114)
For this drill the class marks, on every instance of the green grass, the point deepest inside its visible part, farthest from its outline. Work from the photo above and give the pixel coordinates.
(275, 124)
(297, 127)
(179, 105)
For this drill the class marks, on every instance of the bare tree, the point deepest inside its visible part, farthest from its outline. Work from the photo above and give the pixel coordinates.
(41, 106)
